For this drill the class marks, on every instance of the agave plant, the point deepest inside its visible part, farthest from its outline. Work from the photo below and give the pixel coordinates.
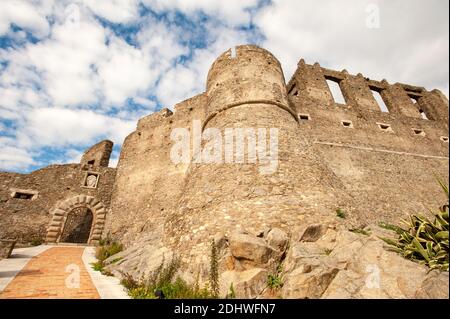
(424, 241)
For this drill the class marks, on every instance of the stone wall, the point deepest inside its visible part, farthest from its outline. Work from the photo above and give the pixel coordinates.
(388, 173)
(148, 183)
(98, 155)
(27, 218)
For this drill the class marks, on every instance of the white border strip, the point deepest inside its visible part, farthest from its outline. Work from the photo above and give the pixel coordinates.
(107, 287)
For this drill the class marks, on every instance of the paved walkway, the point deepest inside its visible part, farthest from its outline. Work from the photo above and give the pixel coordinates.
(55, 272)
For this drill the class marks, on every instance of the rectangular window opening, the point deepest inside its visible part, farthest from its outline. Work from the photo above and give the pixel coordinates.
(380, 101)
(335, 90)
(347, 124)
(418, 131)
(23, 195)
(304, 117)
(384, 127)
(91, 162)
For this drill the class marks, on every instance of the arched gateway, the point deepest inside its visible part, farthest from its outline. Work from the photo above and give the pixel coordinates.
(79, 219)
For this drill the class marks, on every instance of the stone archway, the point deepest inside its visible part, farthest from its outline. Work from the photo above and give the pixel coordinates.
(60, 216)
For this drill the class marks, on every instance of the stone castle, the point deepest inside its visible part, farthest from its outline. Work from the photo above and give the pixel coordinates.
(374, 164)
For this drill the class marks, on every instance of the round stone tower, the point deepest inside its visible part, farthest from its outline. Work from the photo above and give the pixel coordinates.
(247, 93)
(245, 76)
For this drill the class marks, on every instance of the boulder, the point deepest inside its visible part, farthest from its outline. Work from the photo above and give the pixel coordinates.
(277, 239)
(246, 284)
(313, 232)
(308, 281)
(255, 249)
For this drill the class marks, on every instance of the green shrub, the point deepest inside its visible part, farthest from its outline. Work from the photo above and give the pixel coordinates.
(97, 266)
(106, 249)
(340, 213)
(274, 281)
(424, 241)
(163, 279)
(36, 242)
(231, 293)
(360, 231)
(214, 271)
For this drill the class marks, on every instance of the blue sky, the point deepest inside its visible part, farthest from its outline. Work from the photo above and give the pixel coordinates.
(75, 72)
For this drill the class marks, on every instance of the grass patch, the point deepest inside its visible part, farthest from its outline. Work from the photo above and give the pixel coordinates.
(106, 249)
(274, 281)
(360, 231)
(231, 293)
(163, 282)
(327, 251)
(36, 242)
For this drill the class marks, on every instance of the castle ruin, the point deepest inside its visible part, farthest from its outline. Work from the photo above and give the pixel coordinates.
(378, 164)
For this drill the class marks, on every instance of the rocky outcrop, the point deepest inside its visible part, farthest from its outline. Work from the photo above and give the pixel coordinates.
(314, 261)
(345, 264)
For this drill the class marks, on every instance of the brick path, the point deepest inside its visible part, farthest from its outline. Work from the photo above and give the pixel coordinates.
(53, 274)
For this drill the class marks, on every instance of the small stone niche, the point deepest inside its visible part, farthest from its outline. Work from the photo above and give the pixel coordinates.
(385, 127)
(24, 194)
(91, 179)
(347, 124)
(444, 139)
(418, 132)
(304, 117)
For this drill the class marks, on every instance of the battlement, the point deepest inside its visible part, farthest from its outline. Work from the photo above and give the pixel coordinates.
(310, 86)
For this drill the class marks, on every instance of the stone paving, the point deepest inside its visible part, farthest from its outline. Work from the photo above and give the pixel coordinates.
(58, 272)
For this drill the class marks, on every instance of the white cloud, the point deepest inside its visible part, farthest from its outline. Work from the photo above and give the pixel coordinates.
(184, 81)
(13, 157)
(410, 46)
(234, 12)
(24, 15)
(63, 127)
(117, 11)
(124, 72)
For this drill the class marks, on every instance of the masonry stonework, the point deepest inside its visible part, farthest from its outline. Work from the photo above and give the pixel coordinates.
(33, 218)
(378, 168)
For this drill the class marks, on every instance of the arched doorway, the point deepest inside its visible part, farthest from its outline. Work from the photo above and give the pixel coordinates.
(77, 227)
(76, 218)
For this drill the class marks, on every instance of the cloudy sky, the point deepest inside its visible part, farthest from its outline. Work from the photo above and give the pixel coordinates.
(75, 72)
